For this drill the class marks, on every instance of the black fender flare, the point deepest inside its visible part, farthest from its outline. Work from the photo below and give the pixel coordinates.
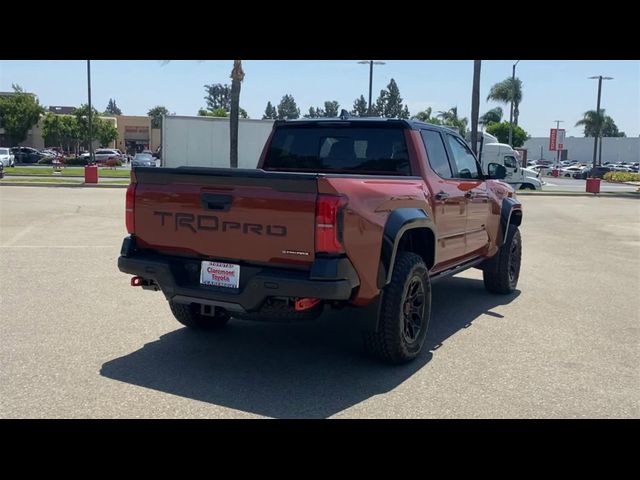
(510, 213)
(400, 221)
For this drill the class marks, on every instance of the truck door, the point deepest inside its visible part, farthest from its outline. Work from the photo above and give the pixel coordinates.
(449, 202)
(514, 174)
(472, 185)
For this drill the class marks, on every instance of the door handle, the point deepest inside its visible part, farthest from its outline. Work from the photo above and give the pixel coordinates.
(441, 195)
(210, 201)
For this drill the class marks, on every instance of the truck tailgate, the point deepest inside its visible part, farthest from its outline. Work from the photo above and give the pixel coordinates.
(227, 214)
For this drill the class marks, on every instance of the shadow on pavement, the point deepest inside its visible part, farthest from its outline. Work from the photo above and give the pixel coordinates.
(310, 370)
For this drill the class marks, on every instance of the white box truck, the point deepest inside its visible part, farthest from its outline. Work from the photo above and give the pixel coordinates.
(204, 141)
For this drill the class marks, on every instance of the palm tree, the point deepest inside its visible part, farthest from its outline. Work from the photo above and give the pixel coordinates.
(475, 104)
(506, 91)
(237, 75)
(590, 123)
(450, 118)
(492, 116)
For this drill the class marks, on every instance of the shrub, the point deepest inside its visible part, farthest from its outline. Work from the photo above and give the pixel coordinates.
(621, 177)
(68, 161)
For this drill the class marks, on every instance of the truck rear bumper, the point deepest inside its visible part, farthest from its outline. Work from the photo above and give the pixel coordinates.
(178, 278)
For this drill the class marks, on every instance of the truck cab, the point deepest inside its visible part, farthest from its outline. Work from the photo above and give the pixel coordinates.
(492, 151)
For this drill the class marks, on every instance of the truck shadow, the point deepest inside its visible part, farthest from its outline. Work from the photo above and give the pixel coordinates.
(311, 370)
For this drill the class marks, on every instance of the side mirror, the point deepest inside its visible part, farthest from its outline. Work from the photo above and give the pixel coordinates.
(497, 171)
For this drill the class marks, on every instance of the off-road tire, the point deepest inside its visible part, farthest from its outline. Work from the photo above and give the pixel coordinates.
(189, 315)
(390, 342)
(502, 271)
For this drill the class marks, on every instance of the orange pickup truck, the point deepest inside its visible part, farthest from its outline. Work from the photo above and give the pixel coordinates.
(363, 213)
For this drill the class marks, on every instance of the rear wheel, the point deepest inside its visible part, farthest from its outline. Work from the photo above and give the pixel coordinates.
(404, 312)
(189, 315)
(501, 272)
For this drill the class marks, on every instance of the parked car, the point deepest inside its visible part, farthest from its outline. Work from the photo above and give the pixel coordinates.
(587, 173)
(143, 160)
(26, 155)
(569, 171)
(47, 152)
(6, 157)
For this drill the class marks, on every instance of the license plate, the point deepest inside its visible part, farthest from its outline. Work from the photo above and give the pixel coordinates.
(220, 274)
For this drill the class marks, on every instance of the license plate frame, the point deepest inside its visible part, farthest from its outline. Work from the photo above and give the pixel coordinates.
(220, 274)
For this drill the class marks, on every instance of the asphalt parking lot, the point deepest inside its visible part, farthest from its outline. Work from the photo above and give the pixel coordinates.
(76, 341)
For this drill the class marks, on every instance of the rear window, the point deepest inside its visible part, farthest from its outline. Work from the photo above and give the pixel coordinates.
(381, 151)
(4, 151)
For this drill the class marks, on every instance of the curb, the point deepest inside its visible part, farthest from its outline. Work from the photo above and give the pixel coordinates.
(8, 175)
(71, 185)
(581, 194)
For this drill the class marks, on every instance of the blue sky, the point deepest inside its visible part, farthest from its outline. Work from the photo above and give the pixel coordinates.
(553, 90)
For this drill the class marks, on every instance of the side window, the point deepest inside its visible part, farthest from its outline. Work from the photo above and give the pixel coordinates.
(465, 161)
(438, 158)
(510, 162)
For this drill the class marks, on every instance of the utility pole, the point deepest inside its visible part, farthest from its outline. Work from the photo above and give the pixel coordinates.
(558, 122)
(598, 119)
(89, 117)
(371, 64)
(513, 80)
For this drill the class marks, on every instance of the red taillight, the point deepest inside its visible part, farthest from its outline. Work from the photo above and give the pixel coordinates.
(129, 204)
(329, 223)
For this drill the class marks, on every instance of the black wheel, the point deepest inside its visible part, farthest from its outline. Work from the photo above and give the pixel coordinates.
(189, 315)
(501, 272)
(404, 312)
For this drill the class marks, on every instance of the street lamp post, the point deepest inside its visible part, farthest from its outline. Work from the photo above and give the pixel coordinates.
(558, 122)
(89, 92)
(513, 79)
(371, 64)
(598, 119)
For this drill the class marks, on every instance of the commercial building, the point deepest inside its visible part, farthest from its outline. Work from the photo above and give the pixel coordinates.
(614, 149)
(134, 132)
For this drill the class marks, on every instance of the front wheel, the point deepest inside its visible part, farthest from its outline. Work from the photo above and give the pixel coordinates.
(189, 315)
(404, 312)
(501, 272)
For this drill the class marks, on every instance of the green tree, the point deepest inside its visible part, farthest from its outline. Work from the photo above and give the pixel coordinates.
(156, 114)
(359, 107)
(237, 76)
(389, 103)
(425, 116)
(112, 108)
(70, 132)
(52, 130)
(510, 89)
(106, 132)
(450, 119)
(218, 96)
(287, 108)
(270, 113)
(501, 131)
(331, 108)
(18, 114)
(492, 116)
(313, 113)
(590, 123)
(218, 112)
(82, 118)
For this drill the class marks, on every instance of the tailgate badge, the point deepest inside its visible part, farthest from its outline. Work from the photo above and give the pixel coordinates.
(295, 252)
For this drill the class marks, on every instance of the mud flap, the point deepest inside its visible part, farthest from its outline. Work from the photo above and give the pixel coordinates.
(368, 317)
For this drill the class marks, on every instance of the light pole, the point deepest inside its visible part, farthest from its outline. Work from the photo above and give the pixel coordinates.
(371, 64)
(89, 92)
(558, 122)
(598, 119)
(513, 79)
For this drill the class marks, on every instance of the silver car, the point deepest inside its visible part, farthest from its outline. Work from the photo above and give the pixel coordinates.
(7, 159)
(143, 160)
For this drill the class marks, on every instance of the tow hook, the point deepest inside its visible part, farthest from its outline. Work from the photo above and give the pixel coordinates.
(303, 304)
(144, 283)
